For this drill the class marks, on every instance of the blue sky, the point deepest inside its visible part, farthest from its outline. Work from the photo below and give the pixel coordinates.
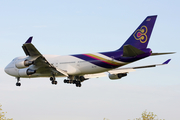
(70, 27)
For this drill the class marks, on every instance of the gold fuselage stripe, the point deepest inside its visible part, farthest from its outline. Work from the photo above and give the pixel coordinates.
(112, 62)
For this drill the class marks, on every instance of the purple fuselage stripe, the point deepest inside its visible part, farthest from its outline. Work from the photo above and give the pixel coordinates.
(116, 55)
(95, 61)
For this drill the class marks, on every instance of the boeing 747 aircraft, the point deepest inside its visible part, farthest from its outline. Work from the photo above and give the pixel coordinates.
(80, 67)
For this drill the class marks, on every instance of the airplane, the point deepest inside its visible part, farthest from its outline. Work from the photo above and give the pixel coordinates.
(80, 67)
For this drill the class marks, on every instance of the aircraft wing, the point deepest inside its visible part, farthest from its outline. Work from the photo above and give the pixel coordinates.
(97, 75)
(123, 70)
(131, 69)
(29, 48)
(40, 64)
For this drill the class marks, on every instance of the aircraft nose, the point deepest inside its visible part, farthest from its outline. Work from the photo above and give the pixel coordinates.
(6, 69)
(9, 68)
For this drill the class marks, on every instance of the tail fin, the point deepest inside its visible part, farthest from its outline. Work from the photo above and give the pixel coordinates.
(141, 35)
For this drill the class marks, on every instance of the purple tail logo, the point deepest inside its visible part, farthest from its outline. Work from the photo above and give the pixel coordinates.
(140, 34)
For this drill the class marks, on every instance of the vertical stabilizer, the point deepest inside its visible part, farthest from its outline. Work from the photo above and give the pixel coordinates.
(141, 35)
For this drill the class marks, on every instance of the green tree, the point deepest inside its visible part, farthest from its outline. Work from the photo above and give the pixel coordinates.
(105, 119)
(2, 115)
(148, 116)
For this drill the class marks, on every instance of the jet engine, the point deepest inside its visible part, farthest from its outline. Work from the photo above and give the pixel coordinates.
(21, 63)
(117, 76)
(26, 71)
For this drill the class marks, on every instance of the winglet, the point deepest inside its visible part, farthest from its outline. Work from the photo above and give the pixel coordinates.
(167, 61)
(29, 40)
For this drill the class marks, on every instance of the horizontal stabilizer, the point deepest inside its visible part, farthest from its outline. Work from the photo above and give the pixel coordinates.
(162, 53)
(130, 51)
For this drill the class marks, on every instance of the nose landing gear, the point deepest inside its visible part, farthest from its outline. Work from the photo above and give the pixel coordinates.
(18, 82)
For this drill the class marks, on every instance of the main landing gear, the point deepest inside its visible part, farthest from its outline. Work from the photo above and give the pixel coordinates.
(53, 80)
(75, 80)
(78, 83)
(18, 82)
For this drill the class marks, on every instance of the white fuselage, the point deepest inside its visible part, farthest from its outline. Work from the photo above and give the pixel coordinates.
(70, 64)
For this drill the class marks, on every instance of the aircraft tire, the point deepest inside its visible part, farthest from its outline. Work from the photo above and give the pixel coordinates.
(54, 82)
(74, 81)
(18, 84)
(65, 81)
(78, 84)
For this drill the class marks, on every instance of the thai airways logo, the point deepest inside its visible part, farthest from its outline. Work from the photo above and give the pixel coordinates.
(140, 34)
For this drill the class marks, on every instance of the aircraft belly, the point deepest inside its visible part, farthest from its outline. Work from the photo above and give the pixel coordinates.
(89, 68)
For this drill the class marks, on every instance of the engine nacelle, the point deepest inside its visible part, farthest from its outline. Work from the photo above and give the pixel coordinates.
(117, 76)
(26, 71)
(21, 63)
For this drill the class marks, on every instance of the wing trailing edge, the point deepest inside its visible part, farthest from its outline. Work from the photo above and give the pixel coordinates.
(124, 70)
(130, 69)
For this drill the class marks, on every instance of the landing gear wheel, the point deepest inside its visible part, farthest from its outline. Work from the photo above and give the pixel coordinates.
(71, 81)
(78, 84)
(18, 84)
(65, 81)
(51, 78)
(74, 81)
(54, 82)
